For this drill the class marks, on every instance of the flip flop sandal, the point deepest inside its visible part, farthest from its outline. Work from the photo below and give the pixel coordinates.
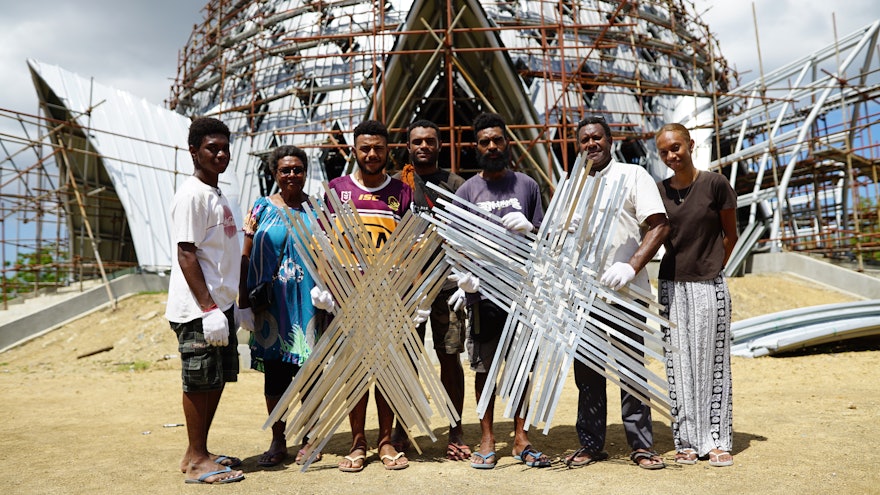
(230, 462)
(303, 455)
(639, 455)
(529, 451)
(714, 459)
(202, 480)
(354, 459)
(686, 456)
(456, 452)
(271, 459)
(394, 466)
(484, 464)
(571, 461)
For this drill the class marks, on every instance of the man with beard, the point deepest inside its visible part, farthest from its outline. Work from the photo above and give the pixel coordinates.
(381, 202)
(516, 198)
(447, 326)
(641, 229)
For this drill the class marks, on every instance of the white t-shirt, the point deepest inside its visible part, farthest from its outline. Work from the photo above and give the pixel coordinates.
(641, 200)
(201, 215)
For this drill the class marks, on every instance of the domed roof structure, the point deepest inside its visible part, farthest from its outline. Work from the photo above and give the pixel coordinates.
(306, 73)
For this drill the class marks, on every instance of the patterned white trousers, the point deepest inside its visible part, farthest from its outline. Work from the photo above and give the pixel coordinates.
(700, 385)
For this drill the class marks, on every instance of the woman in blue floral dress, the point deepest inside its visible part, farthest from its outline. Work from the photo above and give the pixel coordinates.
(283, 335)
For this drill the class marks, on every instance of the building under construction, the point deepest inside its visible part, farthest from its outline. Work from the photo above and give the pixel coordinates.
(797, 142)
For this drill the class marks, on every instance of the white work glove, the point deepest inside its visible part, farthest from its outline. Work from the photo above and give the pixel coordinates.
(618, 275)
(246, 319)
(215, 326)
(466, 281)
(456, 300)
(575, 223)
(322, 299)
(517, 222)
(421, 315)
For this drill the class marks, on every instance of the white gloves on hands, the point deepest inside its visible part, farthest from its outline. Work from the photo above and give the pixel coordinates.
(421, 316)
(246, 319)
(575, 223)
(456, 300)
(215, 326)
(467, 283)
(618, 275)
(517, 222)
(322, 299)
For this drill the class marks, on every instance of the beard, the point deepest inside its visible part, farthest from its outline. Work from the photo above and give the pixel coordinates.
(494, 164)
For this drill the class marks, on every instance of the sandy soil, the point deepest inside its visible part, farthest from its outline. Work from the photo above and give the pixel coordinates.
(96, 424)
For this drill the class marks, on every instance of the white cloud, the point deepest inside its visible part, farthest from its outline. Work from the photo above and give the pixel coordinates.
(788, 29)
(131, 46)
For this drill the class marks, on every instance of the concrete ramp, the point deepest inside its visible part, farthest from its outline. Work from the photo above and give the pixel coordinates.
(37, 315)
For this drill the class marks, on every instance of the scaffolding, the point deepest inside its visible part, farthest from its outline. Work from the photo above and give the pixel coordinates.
(798, 143)
(306, 73)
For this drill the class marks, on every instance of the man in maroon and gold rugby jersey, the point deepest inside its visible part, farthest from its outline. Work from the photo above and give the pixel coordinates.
(381, 202)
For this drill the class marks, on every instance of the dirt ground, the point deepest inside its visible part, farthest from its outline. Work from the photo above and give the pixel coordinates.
(96, 424)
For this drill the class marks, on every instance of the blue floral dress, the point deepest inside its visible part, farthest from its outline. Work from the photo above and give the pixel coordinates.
(288, 330)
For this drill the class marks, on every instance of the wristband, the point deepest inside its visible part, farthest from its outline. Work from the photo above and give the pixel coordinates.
(211, 308)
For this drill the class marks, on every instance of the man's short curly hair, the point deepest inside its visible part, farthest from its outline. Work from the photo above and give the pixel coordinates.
(205, 126)
(487, 120)
(371, 128)
(427, 124)
(286, 150)
(594, 119)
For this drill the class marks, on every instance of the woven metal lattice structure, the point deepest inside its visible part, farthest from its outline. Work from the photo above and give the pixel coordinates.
(557, 309)
(371, 339)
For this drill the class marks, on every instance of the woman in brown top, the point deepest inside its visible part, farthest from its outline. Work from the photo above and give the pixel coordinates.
(701, 207)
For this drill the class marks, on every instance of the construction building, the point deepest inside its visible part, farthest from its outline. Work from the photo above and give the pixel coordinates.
(796, 142)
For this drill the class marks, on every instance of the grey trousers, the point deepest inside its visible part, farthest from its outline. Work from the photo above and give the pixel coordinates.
(593, 411)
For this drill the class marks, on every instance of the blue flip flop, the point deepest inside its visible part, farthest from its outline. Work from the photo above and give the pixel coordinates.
(484, 464)
(530, 451)
(201, 479)
(234, 462)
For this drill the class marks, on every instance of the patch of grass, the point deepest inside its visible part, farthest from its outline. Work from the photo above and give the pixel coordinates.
(138, 365)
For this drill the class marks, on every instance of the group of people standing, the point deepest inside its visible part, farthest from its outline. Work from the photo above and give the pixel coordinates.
(692, 214)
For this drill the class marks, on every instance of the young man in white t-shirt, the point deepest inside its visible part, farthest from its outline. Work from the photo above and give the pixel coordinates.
(201, 297)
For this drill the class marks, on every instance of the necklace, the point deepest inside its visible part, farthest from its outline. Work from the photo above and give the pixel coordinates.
(686, 190)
